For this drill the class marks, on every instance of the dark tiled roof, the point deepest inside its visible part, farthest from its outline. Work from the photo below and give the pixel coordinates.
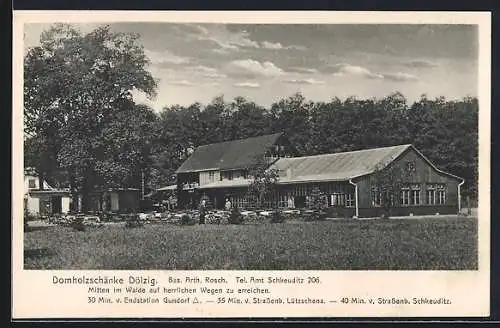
(228, 155)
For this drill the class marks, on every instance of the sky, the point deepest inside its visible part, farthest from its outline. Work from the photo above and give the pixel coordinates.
(265, 63)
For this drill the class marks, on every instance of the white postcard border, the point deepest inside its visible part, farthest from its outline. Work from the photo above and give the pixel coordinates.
(34, 296)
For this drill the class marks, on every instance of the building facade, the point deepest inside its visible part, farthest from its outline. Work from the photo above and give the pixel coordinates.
(220, 171)
(47, 201)
(114, 200)
(44, 201)
(349, 181)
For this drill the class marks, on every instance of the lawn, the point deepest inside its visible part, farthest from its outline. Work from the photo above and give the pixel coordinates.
(410, 244)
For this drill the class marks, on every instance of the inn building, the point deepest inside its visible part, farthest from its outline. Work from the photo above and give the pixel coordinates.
(220, 171)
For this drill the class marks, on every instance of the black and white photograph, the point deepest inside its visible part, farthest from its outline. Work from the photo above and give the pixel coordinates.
(240, 146)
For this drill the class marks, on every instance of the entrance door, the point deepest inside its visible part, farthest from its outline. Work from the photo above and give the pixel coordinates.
(56, 204)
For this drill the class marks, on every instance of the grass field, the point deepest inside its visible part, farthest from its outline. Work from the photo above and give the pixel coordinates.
(410, 244)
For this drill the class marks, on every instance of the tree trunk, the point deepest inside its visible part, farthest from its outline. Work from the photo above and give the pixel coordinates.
(86, 201)
(40, 181)
(73, 194)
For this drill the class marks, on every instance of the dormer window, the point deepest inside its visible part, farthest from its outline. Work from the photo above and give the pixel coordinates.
(32, 183)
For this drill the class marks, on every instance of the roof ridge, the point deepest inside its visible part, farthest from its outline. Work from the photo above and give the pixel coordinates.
(349, 152)
(241, 139)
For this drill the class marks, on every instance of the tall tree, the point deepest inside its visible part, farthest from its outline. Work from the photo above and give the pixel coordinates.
(128, 142)
(248, 119)
(214, 120)
(263, 181)
(386, 183)
(292, 116)
(73, 84)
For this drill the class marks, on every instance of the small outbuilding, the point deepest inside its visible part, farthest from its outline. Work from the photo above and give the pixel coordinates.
(46, 200)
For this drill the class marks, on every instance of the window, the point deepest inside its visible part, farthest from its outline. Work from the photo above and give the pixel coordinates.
(405, 196)
(239, 202)
(282, 201)
(436, 194)
(211, 176)
(301, 190)
(441, 194)
(349, 201)
(337, 199)
(415, 197)
(341, 200)
(376, 197)
(431, 196)
(415, 194)
(441, 197)
(32, 183)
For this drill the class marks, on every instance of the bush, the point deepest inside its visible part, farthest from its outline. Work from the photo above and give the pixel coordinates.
(106, 216)
(277, 217)
(78, 224)
(315, 216)
(27, 217)
(235, 217)
(384, 215)
(134, 222)
(186, 220)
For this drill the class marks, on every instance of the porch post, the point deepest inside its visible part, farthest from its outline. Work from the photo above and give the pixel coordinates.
(356, 198)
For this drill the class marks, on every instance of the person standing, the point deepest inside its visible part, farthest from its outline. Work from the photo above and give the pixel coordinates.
(202, 211)
(228, 205)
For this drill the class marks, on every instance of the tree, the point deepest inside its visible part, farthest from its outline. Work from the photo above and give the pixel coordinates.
(180, 133)
(214, 120)
(317, 201)
(292, 116)
(128, 142)
(387, 182)
(263, 182)
(247, 120)
(445, 131)
(73, 85)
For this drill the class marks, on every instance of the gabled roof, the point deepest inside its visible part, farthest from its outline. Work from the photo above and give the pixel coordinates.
(326, 167)
(332, 167)
(341, 166)
(235, 154)
(58, 178)
(338, 166)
